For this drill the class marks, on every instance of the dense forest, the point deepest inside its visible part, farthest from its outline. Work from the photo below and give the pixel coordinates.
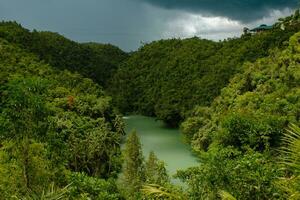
(167, 78)
(57, 127)
(236, 101)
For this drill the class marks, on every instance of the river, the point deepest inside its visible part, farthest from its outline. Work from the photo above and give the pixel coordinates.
(167, 143)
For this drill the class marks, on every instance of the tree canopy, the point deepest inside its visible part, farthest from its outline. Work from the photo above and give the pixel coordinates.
(167, 78)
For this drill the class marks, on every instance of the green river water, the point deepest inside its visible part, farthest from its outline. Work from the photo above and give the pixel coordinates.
(167, 143)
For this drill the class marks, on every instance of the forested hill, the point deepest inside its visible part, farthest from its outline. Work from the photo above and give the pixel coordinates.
(247, 140)
(167, 78)
(56, 128)
(238, 99)
(92, 60)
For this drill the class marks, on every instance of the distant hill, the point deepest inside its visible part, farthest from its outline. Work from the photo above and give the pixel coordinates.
(96, 61)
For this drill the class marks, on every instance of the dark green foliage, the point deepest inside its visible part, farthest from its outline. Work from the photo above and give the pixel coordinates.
(256, 132)
(95, 61)
(24, 107)
(167, 78)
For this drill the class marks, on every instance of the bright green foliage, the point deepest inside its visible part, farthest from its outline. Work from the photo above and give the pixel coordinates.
(84, 187)
(168, 78)
(226, 196)
(59, 122)
(158, 192)
(51, 193)
(133, 173)
(255, 107)
(199, 118)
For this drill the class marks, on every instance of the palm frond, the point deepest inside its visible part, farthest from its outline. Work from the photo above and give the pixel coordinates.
(55, 194)
(160, 192)
(225, 195)
(291, 158)
(291, 148)
(52, 193)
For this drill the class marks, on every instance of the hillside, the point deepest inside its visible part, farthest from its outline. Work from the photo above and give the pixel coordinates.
(239, 138)
(237, 103)
(56, 128)
(95, 61)
(167, 78)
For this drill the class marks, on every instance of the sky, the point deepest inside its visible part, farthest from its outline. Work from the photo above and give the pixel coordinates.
(130, 23)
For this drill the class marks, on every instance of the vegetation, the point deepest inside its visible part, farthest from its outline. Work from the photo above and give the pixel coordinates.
(246, 149)
(238, 101)
(136, 172)
(92, 60)
(52, 124)
(290, 161)
(239, 135)
(133, 169)
(167, 78)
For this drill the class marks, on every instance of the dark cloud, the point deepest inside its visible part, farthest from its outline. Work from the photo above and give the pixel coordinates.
(241, 10)
(121, 22)
(127, 23)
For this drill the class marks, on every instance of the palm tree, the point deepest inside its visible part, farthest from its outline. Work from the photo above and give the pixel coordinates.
(291, 162)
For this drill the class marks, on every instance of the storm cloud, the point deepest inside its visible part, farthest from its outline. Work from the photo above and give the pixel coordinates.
(240, 10)
(128, 23)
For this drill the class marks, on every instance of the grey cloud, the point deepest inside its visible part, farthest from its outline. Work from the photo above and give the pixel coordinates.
(241, 10)
(126, 23)
(121, 22)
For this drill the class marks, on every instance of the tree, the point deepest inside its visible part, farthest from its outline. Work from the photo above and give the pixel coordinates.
(24, 168)
(25, 108)
(133, 169)
(155, 170)
(167, 78)
(51, 119)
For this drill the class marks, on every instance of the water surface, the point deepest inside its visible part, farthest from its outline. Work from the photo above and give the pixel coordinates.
(167, 143)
